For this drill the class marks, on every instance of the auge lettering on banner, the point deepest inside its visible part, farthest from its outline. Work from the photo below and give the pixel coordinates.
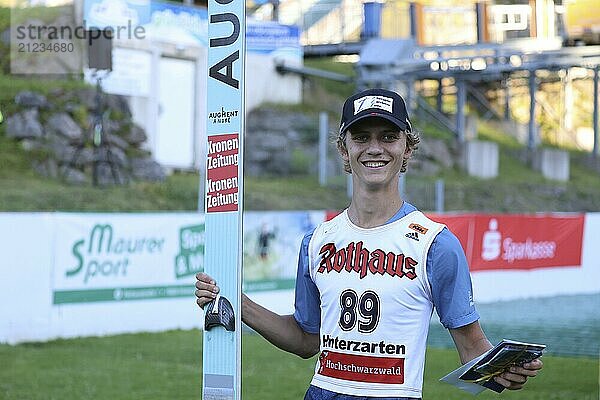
(103, 256)
(227, 62)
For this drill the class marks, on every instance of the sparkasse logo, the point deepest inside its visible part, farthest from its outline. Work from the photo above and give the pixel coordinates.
(494, 245)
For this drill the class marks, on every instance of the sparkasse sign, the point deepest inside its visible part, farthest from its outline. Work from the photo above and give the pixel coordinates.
(518, 242)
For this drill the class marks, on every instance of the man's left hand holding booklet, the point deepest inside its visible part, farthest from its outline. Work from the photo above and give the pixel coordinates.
(478, 374)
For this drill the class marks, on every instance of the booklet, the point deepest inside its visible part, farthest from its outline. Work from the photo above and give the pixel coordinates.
(478, 374)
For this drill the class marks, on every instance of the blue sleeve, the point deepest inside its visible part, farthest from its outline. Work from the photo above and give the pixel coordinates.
(451, 287)
(308, 300)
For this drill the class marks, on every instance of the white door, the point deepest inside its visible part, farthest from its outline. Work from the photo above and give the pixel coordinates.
(174, 146)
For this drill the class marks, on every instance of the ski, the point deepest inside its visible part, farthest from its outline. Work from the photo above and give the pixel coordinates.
(221, 364)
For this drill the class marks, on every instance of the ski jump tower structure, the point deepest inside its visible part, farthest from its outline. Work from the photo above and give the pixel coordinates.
(400, 63)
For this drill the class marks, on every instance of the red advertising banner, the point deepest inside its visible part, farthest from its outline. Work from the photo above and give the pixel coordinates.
(354, 367)
(513, 241)
(526, 241)
(331, 214)
(222, 173)
(460, 225)
(505, 241)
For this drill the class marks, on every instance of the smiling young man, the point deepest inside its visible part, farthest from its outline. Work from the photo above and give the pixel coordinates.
(369, 279)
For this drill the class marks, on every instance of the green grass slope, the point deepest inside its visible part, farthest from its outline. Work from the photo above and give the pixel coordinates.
(517, 189)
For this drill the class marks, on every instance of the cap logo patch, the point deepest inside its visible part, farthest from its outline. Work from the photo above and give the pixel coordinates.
(367, 102)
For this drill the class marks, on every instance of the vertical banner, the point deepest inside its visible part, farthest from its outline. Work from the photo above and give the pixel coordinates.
(223, 198)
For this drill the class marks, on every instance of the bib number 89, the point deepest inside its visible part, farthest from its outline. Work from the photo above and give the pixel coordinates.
(363, 310)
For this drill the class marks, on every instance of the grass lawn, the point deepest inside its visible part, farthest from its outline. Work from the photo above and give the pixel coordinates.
(168, 366)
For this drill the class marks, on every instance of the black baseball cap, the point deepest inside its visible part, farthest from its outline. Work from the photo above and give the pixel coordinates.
(380, 103)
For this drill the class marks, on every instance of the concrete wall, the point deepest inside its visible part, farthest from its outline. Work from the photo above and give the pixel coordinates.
(481, 159)
(265, 85)
(552, 163)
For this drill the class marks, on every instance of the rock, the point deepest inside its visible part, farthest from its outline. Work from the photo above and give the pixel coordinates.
(30, 145)
(31, 99)
(440, 152)
(24, 125)
(73, 176)
(67, 154)
(423, 167)
(110, 175)
(435, 150)
(147, 169)
(111, 155)
(269, 140)
(252, 169)
(107, 101)
(136, 135)
(116, 141)
(293, 135)
(258, 156)
(87, 97)
(47, 168)
(71, 108)
(62, 124)
(57, 92)
(111, 126)
(280, 142)
(70, 150)
(117, 103)
(56, 144)
(277, 120)
(268, 152)
(74, 155)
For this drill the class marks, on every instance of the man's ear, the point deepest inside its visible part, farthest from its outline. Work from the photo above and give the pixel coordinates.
(343, 151)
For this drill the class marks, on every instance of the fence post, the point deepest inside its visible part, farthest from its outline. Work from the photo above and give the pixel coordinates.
(402, 186)
(461, 99)
(439, 196)
(342, 21)
(531, 142)
(595, 114)
(323, 129)
(349, 185)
